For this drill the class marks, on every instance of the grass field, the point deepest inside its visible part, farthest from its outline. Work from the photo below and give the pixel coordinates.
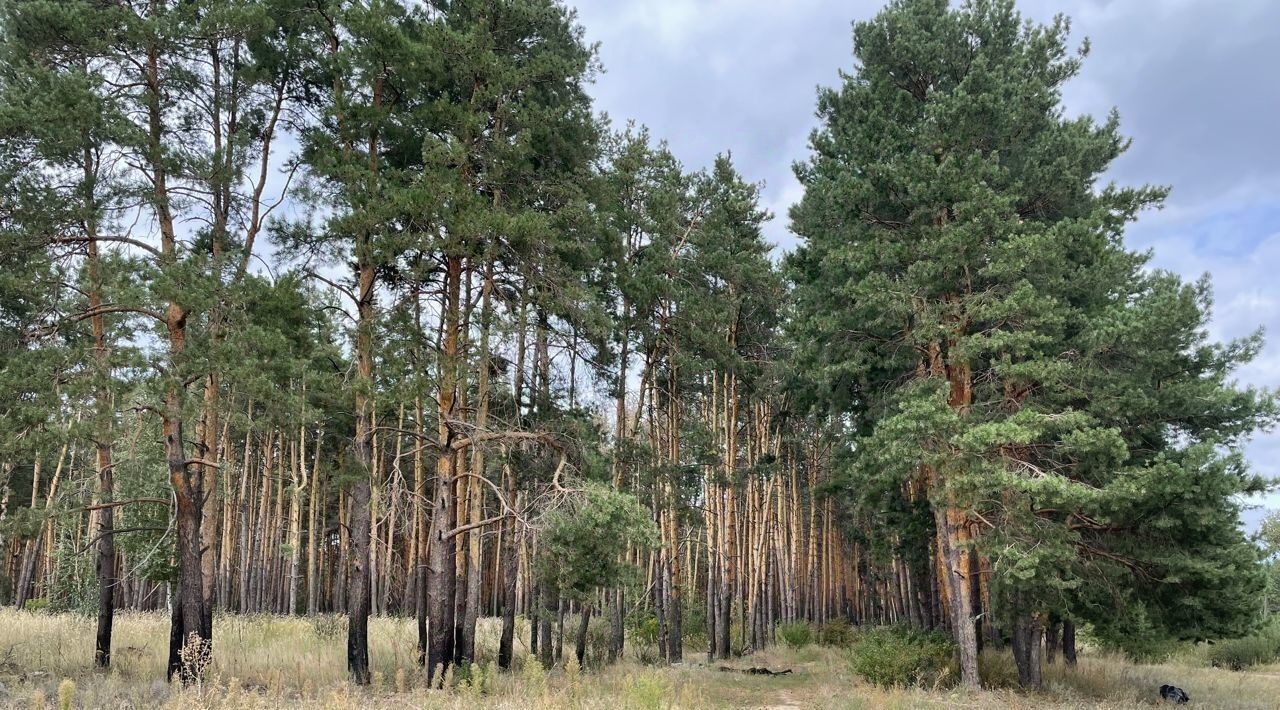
(267, 662)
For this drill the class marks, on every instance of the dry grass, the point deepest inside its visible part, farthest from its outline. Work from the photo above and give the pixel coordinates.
(268, 662)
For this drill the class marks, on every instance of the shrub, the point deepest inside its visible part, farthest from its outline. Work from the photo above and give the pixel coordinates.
(837, 632)
(644, 629)
(997, 669)
(1239, 654)
(599, 637)
(37, 605)
(904, 657)
(66, 693)
(646, 691)
(328, 627)
(533, 676)
(796, 634)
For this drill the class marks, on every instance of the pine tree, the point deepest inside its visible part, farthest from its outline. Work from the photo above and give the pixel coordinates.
(959, 260)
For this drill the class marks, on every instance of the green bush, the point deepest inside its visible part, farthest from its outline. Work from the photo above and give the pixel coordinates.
(796, 634)
(646, 691)
(904, 657)
(40, 604)
(1239, 654)
(599, 637)
(837, 632)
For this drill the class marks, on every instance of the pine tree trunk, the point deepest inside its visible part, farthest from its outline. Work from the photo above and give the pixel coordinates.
(245, 513)
(1069, 642)
(106, 560)
(1052, 639)
(580, 645)
(441, 570)
(1027, 631)
(546, 620)
(210, 516)
(959, 591)
(421, 548)
(510, 574)
(295, 517)
(360, 518)
(314, 516)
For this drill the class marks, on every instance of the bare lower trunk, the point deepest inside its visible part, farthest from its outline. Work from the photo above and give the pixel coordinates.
(359, 598)
(1069, 642)
(617, 632)
(423, 519)
(359, 592)
(105, 566)
(190, 631)
(580, 645)
(960, 593)
(1052, 632)
(441, 564)
(550, 608)
(510, 564)
(1027, 631)
(209, 514)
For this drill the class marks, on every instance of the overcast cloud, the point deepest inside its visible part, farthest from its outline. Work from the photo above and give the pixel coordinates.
(1195, 82)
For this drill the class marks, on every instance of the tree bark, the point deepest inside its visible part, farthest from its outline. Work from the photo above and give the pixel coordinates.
(510, 573)
(1069, 642)
(1052, 639)
(580, 645)
(441, 571)
(1027, 632)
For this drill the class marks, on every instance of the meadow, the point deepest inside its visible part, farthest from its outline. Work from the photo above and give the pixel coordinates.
(274, 661)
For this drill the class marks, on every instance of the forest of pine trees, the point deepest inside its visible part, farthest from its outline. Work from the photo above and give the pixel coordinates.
(333, 307)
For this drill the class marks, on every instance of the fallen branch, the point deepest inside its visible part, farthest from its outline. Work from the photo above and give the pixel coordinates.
(755, 670)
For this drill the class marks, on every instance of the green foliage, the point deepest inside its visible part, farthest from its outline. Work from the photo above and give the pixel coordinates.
(1239, 654)
(582, 546)
(1133, 633)
(646, 691)
(796, 634)
(1253, 650)
(837, 632)
(643, 627)
(966, 309)
(532, 675)
(474, 680)
(904, 657)
(599, 638)
(40, 604)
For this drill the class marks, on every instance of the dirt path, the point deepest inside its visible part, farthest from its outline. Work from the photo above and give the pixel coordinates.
(786, 703)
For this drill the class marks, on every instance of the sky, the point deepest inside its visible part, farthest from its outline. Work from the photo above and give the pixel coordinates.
(1196, 82)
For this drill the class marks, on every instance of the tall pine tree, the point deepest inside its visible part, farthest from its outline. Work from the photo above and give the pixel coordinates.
(961, 280)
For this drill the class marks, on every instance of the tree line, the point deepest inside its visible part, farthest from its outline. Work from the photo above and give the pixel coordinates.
(316, 306)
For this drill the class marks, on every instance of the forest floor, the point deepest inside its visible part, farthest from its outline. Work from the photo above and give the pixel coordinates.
(267, 662)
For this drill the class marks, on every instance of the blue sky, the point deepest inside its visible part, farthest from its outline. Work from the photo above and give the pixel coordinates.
(1197, 84)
